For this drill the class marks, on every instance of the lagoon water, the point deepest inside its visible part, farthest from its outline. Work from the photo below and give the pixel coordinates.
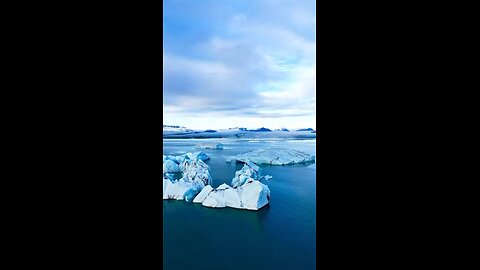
(279, 236)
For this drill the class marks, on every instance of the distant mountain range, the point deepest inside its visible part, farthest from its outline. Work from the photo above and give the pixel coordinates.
(238, 128)
(167, 126)
(172, 131)
(176, 128)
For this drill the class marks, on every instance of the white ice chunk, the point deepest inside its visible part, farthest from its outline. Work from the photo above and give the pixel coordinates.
(196, 171)
(172, 158)
(180, 190)
(275, 156)
(201, 155)
(170, 167)
(180, 159)
(196, 176)
(249, 170)
(247, 191)
(233, 198)
(215, 199)
(253, 195)
(203, 194)
(175, 190)
(209, 146)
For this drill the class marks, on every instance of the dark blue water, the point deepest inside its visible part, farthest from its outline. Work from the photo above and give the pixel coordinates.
(279, 236)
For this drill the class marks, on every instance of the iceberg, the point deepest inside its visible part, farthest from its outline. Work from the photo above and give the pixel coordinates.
(275, 156)
(249, 170)
(216, 198)
(179, 190)
(201, 155)
(246, 192)
(255, 195)
(196, 171)
(195, 177)
(172, 164)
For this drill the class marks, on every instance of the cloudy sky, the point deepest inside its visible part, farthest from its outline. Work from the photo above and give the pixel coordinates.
(239, 63)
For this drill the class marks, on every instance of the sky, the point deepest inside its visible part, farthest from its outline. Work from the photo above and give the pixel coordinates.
(239, 63)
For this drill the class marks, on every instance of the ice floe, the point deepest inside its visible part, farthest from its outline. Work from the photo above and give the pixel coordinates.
(275, 156)
(209, 146)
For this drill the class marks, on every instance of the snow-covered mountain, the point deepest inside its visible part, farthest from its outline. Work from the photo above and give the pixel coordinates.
(169, 129)
(237, 132)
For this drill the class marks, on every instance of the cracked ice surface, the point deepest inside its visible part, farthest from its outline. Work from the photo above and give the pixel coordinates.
(275, 156)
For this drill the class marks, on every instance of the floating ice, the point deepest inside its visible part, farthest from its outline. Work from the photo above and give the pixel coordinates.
(249, 170)
(209, 146)
(247, 191)
(196, 171)
(196, 176)
(253, 195)
(170, 166)
(201, 155)
(275, 156)
(203, 194)
(180, 189)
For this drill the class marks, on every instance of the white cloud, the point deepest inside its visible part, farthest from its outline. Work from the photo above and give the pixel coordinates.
(259, 71)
